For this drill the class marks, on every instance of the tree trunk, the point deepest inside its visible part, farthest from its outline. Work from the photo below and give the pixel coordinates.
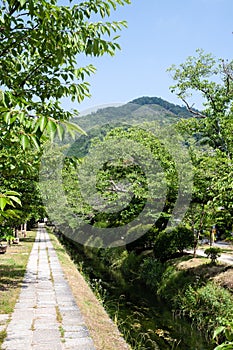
(195, 250)
(16, 232)
(25, 229)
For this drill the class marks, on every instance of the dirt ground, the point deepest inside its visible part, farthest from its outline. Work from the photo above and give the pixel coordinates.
(220, 273)
(225, 279)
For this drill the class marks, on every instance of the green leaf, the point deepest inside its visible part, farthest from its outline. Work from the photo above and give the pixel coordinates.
(229, 334)
(11, 193)
(7, 117)
(21, 117)
(10, 213)
(42, 123)
(74, 127)
(15, 199)
(3, 202)
(22, 2)
(224, 346)
(35, 142)
(25, 141)
(60, 131)
(51, 127)
(218, 331)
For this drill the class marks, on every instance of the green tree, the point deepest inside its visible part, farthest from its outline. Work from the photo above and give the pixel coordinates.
(39, 46)
(213, 79)
(125, 171)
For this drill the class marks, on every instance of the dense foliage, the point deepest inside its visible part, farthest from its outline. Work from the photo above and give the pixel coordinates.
(39, 44)
(212, 128)
(207, 135)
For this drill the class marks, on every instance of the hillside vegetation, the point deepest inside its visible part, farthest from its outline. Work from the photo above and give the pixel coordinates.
(140, 110)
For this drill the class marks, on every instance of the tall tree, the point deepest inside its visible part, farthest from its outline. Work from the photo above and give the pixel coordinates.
(39, 46)
(213, 79)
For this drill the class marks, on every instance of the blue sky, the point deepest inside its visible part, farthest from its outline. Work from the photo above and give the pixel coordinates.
(159, 34)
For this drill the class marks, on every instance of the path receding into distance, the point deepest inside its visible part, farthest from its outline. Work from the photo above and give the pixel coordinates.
(46, 316)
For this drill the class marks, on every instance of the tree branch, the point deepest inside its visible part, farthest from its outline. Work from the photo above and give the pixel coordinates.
(116, 188)
(17, 41)
(14, 8)
(33, 71)
(197, 114)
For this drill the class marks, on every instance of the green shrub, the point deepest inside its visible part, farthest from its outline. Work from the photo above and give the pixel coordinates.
(208, 306)
(174, 282)
(168, 243)
(151, 272)
(229, 239)
(130, 264)
(182, 238)
(213, 253)
(6, 233)
(112, 256)
(164, 246)
(140, 237)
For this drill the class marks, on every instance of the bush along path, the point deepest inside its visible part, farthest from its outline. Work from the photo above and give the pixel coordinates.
(46, 315)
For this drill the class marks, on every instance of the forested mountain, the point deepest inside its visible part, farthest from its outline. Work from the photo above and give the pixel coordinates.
(140, 110)
(181, 112)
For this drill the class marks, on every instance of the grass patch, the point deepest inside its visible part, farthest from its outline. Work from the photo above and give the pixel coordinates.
(12, 270)
(193, 288)
(103, 331)
(3, 335)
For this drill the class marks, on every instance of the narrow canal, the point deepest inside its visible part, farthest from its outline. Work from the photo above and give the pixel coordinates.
(144, 319)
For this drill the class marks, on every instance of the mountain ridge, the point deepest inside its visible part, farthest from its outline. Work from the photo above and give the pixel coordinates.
(136, 112)
(176, 109)
(139, 110)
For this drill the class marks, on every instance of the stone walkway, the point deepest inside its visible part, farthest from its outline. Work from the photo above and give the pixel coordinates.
(46, 315)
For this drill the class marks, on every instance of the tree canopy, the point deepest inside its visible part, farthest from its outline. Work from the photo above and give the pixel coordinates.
(39, 46)
(212, 130)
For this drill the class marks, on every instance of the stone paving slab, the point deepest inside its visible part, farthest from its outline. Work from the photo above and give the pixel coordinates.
(3, 318)
(80, 344)
(46, 316)
(3, 321)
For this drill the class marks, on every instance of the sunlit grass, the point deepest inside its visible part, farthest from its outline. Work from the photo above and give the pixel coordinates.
(12, 270)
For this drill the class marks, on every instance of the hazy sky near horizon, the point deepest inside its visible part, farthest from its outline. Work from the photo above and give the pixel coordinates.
(159, 34)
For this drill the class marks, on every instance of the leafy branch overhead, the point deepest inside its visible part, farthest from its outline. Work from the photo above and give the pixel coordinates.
(39, 46)
(212, 79)
(9, 198)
